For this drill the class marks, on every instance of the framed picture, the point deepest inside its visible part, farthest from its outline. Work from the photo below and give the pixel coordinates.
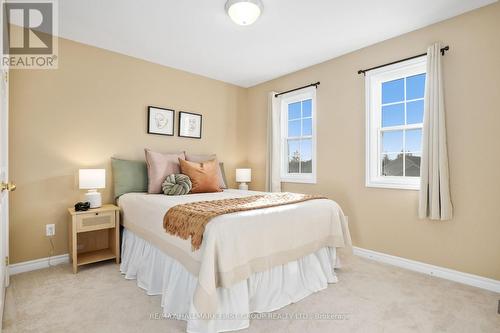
(160, 121)
(189, 125)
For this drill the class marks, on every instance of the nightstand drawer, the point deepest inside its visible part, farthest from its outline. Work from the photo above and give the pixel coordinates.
(95, 221)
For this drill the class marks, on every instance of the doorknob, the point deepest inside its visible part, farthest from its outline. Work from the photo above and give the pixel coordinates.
(7, 186)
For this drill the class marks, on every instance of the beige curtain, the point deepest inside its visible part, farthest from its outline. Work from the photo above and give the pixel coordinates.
(435, 201)
(273, 181)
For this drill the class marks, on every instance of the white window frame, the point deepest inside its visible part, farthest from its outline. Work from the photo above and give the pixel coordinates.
(286, 177)
(373, 98)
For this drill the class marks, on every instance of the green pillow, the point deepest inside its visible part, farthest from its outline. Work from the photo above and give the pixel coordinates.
(129, 176)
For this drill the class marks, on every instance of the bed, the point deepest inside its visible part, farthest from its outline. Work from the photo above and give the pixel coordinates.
(249, 262)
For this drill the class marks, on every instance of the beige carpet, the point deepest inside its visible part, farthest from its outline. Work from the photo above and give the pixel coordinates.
(370, 297)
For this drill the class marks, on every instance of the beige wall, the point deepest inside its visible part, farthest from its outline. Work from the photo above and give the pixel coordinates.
(386, 220)
(93, 107)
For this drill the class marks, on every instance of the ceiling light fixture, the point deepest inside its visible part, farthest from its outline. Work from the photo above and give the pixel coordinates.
(244, 12)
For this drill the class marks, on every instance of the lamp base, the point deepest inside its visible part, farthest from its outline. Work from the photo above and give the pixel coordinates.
(243, 186)
(94, 198)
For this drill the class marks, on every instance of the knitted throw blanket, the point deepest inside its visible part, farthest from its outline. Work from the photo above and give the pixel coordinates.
(189, 220)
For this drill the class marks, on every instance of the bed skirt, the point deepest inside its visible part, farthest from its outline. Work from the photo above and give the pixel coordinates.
(159, 274)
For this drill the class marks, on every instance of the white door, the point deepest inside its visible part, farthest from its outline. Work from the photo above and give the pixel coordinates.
(5, 187)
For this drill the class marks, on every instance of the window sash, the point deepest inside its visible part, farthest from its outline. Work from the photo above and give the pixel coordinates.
(300, 154)
(381, 152)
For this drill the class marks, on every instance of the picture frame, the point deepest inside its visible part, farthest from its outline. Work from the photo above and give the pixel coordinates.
(190, 125)
(161, 121)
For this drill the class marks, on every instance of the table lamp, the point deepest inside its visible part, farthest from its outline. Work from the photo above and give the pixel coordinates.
(243, 176)
(91, 180)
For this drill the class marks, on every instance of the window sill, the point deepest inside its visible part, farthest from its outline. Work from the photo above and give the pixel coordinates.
(298, 180)
(394, 185)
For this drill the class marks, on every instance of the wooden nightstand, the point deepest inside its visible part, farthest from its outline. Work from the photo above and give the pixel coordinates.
(94, 235)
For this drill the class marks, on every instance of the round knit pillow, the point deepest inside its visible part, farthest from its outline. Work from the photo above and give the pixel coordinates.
(177, 184)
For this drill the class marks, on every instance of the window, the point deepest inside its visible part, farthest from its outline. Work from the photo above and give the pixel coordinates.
(298, 137)
(394, 115)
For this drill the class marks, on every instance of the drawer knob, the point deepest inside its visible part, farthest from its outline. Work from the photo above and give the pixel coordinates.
(96, 213)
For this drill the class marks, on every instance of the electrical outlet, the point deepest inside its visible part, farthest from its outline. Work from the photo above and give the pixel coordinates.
(50, 230)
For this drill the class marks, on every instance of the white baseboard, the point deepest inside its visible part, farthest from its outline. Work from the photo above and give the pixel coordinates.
(417, 266)
(32, 265)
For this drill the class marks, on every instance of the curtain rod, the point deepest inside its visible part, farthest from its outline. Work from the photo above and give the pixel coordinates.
(289, 91)
(363, 71)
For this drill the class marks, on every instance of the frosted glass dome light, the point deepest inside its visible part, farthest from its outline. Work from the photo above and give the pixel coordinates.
(244, 12)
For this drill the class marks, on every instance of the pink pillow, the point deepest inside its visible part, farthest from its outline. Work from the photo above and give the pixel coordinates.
(160, 166)
(202, 158)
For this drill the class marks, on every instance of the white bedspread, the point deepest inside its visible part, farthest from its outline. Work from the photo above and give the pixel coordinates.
(239, 244)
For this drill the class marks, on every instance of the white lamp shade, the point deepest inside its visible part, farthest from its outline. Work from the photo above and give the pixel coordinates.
(243, 175)
(244, 12)
(92, 178)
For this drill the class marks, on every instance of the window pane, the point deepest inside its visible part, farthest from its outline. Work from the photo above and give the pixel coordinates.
(293, 156)
(294, 128)
(393, 91)
(393, 115)
(415, 86)
(294, 110)
(392, 164)
(307, 108)
(392, 141)
(415, 112)
(307, 126)
(412, 164)
(306, 156)
(413, 140)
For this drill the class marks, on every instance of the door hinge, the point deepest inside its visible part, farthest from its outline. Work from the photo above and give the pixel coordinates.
(6, 261)
(6, 77)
